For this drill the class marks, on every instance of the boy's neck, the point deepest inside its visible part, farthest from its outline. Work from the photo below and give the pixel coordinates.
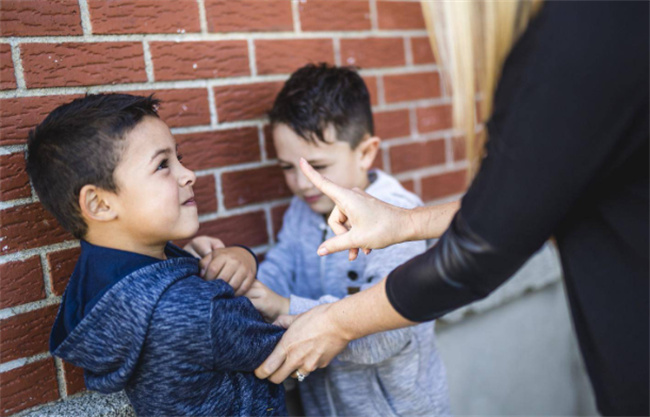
(116, 241)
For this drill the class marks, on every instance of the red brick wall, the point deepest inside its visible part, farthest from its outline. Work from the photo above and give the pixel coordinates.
(217, 65)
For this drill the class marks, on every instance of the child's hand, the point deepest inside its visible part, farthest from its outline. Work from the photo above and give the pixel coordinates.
(203, 245)
(267, 302)
(235, 265)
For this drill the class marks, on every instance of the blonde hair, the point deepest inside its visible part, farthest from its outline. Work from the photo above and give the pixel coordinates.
(471, 39)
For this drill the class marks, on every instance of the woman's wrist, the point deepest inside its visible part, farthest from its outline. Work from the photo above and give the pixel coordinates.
(430, 222)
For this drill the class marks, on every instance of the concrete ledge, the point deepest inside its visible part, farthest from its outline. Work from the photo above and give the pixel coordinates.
(90, 404)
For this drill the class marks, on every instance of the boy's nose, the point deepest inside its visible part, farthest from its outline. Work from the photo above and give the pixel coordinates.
(187, 177)
(302, 181)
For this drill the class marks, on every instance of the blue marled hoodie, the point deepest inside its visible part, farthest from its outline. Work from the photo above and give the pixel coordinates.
(395, 373)
(177, 345)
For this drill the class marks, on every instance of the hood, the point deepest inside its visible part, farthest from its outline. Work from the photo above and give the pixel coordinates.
(388, 189)
(108, 341)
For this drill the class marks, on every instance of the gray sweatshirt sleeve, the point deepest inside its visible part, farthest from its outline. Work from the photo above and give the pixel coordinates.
(377, 347)
(277, 271)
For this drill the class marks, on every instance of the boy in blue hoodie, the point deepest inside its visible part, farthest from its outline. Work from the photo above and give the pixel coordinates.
(323, 114)
(136, 315)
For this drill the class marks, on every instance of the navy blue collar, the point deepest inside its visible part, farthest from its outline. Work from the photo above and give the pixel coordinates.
(97, 270)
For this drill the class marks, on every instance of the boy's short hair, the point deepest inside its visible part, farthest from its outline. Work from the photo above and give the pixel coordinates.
(316, 96)
(81, 143)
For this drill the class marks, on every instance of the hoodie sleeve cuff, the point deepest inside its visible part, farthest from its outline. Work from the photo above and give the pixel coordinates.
(298, 305)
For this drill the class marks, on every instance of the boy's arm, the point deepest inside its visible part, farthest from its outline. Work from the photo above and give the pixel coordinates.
(277, 271)
(239, 337)
(377, 347)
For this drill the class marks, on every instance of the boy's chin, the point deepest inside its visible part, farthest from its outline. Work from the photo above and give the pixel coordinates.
(322, 207)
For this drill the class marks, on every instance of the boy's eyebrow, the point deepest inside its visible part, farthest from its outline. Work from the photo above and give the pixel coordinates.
(311, 161)
(161, 151)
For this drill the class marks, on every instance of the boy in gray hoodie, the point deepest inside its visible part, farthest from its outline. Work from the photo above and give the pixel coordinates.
(323, 114)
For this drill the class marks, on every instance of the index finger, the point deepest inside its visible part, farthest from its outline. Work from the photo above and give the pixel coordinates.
(333, 191)
(272, 363)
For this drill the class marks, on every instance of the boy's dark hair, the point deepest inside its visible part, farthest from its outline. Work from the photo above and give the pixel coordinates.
(316, 96)
(81, 143)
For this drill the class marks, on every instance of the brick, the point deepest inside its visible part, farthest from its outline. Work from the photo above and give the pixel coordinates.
(409, 185)
(434, 118)
(78, 64)
(21, 282)
(196, 60)
(286, 56)
(181, 107)
(26, 334)
(399, 15)
(268, 142)
(7, 75)
(40, 18)
(74, 378)
(29, 226)
(416, 86)
(253, 186)
(443, 185)
(371, 84)
(245, 229)
(248, 15)
(417, 155)
(14, 181)
(62, 265)
(245, 101)
(458, 144)
(373, 52)
(215, 149)
(205, 194)
(277, 215)
(422, 52)
(392, 124)
(28, 386)
(19, 115)
(144, 16)
(334, 15)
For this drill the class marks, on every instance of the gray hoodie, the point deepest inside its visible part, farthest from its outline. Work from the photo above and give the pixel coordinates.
(392, 373)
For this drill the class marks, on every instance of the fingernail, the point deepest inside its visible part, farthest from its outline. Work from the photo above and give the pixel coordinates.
(322, 251)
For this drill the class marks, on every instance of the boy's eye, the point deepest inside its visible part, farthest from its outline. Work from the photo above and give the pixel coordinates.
(286, 167)
(163, 164)
(319, 167)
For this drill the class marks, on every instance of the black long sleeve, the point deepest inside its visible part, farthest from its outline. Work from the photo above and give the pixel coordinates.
(567, 156)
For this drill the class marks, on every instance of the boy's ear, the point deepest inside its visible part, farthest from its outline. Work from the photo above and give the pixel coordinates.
(95, 204)
(368, 149)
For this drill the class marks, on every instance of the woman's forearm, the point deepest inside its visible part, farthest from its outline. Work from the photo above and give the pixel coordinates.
(430, 222)
(365, 313)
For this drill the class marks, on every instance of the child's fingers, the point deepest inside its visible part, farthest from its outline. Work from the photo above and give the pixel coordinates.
(212, 266)
(285, 320)
(247, 284)
(238, 280)
(229, 271)
(353, 254)
(216, 243)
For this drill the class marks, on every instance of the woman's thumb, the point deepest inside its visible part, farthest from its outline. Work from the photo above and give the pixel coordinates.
(285, 320)
(336, 244)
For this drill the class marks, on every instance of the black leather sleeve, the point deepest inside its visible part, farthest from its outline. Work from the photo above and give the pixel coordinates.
(459, 269)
